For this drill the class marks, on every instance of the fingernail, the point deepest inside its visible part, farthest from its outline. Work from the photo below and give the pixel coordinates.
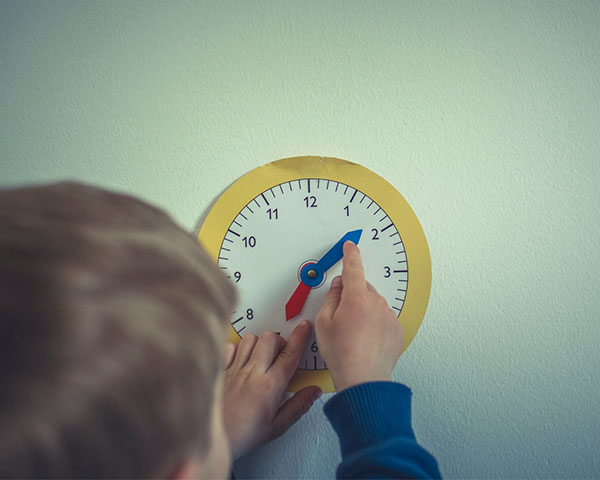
(317, 393)
(349, 245)
(304, 324)
(337, 281)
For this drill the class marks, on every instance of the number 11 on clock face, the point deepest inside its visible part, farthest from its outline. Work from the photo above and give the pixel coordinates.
(273, 249)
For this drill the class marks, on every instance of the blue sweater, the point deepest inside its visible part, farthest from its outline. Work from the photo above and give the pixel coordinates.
(373, 423)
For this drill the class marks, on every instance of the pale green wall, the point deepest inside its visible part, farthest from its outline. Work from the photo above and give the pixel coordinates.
(485, 115)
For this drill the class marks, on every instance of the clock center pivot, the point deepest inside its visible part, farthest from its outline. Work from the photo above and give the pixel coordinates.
(309, 275)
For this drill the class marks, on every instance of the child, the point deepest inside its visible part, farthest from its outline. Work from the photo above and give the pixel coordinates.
(114, 364)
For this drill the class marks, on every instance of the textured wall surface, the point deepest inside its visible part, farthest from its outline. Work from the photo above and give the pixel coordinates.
(484, 114)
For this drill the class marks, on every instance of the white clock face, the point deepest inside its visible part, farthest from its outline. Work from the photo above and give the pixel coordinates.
(297, 222)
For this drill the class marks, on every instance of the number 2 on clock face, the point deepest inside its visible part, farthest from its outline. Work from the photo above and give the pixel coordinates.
(296, 222)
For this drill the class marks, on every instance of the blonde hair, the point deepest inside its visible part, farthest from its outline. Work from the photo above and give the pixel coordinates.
(112, 325)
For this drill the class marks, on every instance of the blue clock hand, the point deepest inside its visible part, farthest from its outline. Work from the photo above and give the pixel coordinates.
(336, 253)
(312, 274)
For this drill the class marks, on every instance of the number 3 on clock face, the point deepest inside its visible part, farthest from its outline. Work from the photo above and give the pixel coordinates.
(282, 220)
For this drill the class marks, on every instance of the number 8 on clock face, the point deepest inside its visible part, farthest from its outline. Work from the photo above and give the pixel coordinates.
(277, 234)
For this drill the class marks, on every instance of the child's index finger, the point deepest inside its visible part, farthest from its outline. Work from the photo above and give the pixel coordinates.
(353, 272)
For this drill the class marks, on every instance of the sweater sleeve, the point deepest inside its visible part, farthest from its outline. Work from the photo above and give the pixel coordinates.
(373, 423)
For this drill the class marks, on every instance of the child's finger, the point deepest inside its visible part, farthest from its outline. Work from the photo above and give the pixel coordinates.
(286, 362)
(332, 300)
(353, 273)
(230, 349)
(244, 350)
(281, 345)
(265, 351)
(293, 409)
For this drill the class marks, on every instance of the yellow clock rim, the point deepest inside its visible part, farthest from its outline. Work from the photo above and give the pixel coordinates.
(253, 183)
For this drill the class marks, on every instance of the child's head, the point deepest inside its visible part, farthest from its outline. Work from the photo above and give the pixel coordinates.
(112, 326)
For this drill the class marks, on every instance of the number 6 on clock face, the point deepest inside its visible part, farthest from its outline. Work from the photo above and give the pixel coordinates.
(269, 230)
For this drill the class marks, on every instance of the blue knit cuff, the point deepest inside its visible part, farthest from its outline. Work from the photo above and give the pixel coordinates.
(370, 413)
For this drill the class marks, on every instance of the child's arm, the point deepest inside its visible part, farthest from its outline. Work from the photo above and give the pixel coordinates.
(360, 339)
(372, 421)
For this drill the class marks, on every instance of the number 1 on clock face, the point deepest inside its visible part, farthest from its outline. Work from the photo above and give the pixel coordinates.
(295, 223)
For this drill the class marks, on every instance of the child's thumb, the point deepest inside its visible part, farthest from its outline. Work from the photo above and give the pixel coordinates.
(294, 408)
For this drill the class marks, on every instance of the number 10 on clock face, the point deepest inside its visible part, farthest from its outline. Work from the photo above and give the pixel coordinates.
(290, 226)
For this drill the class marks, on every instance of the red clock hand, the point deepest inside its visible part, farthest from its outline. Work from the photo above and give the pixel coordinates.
(294, 305)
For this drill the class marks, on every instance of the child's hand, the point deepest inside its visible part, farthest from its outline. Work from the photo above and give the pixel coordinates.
(358, 334)
(257, 372)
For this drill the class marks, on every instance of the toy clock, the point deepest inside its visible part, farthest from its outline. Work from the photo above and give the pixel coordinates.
(277, 233)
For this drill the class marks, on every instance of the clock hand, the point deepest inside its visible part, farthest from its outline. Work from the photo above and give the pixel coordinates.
(336, 252)
(312, 274)
(294, 305)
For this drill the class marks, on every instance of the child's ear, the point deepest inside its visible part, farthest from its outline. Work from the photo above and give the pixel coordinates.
(191, 468)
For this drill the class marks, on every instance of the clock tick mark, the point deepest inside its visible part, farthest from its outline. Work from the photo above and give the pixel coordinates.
(226, 249)
(363, 197)
(228, 239)
(243, 216)
(235, 233)
(223, 258)
(239, 319)
(257, 204)
(383, 218)
(237, 223)
(308, 182)
(337, 186)
(346, 189)
(395, 233)
(241, 329)
(385, 228)
(299, 185)
(353, 195)
(248, 207)
(281, 188)
(397, 243)
(372, 201)
(265, 198)
(396, 308)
